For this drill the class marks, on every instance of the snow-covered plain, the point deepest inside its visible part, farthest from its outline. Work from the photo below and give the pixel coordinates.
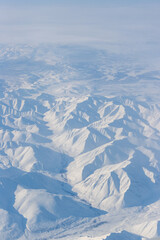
(79, 144)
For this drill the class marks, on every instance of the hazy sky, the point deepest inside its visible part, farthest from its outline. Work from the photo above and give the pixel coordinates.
(121, 24)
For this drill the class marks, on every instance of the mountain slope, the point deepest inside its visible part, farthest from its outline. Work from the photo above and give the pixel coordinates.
(76, 161)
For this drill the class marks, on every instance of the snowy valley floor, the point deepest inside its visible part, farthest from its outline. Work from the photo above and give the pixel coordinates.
(79, 145)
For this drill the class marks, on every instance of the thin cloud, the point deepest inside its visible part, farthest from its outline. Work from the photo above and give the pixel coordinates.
(129, 26)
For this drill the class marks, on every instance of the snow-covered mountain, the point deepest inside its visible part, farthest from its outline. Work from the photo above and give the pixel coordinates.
(79, 145)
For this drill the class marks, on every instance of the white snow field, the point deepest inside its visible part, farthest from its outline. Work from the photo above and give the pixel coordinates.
(79, 144)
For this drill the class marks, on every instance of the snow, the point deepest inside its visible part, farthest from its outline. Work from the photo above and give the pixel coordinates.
(79, 145)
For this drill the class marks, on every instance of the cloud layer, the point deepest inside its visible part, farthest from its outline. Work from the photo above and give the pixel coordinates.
(118, 25)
